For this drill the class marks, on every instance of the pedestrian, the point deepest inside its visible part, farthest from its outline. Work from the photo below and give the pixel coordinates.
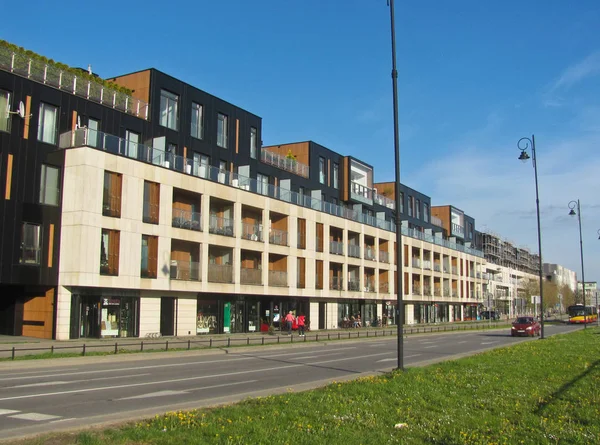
(300, 321)
(289, 320)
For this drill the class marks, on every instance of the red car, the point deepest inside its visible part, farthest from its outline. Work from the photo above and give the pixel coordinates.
(525, 326)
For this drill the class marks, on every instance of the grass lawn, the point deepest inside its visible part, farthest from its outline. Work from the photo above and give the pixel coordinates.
(538, 392)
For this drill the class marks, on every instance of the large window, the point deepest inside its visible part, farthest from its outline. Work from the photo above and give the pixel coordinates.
(133, 140)
(401, 202)
(93, 128)
(111, 199)
(222, 130)
(47, 123)
(411, 203)
(109, 252)
(253, 144)
(262, 184)
(336, 173)
(151, 202)
(322, 174)
(31, 244)
(418, 209)
(201, 163)
(49, 193)
(425, 212)
(197, 120)
(168, 110)
(149, 256)
(4, 110)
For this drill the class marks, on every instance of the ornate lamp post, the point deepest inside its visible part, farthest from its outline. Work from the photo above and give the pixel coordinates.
(523, 144)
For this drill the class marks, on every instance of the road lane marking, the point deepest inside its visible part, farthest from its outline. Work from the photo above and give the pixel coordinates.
(428, 347)
(202, 388)
(33, 385)
(155, 394)
(461, 342)
(387, 360)
(489, 342)
(36, 417)
(105, 388)
(8, 411)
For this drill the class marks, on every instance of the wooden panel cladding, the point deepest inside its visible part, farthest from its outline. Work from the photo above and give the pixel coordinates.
(150, 244)
(138, 82)
(184, 251)
(301, 233)
(151, 202)
(387, 189)
(320, 239)
(443, 213)
(278, 263)
(9, 167)
(279, 222)
(319, 274)
(346, 179)
(300, 150)
(74, 121)
(27, 117)
(237, 136)
(109, 252)
(111, 200)
(251, 215)
(250, 259)
(301, 273)
(50, 244)
(185, 201)
(38, 313)
(383, 245)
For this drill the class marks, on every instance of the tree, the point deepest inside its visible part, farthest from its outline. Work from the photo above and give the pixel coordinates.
(568, 296)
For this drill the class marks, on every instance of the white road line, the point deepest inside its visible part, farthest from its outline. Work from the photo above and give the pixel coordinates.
(428, 347)
(37, 417)
(104, 388)
(62, 420)
(489, 342)
(387, 360)
(461, 342)
(8, 411)
(155, 394)
(113, 377)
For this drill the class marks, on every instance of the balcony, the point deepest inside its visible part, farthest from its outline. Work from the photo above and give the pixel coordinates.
(427, 265)
(384, 287)
(284, 163)
(416, 262)
(384, 201)
(370, 286)
(220, 226)
(454, 293)
(150, 212)
(458, 230)
(436, 221)
(370, 253)
(360, 193)
(416, 289)
(252, 232)
(426, 291)
(384, 257)
(185, 219)
(251, 276)
(278, 237)
(354, 285)
(437, 292)
(185, 270)
(437, 267)
(336, 247)
(220, 273)
(353, 250)
(454, 270)
(52, 75)
(336, 283)
(277, 278)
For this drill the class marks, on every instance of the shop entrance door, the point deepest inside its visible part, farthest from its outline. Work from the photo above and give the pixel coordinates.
(237, 310)
(322, 314)
(167, 316)
(90, 318)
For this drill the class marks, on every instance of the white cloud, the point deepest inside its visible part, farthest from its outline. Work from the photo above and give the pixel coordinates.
(588, 67)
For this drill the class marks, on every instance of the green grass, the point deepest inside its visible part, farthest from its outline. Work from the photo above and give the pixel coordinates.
(538, 392)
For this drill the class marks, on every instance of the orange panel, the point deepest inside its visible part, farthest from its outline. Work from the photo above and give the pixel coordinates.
(9, 165)
(27, 117)
(50, 244)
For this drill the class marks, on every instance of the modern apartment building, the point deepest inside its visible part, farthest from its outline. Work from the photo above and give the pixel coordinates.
(153, 207)
(560, 275)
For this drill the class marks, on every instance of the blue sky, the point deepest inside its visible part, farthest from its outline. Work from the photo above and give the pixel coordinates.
(474, 77)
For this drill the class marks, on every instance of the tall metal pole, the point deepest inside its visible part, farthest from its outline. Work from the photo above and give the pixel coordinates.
(581, 252)
(398, 217)
(524, 157)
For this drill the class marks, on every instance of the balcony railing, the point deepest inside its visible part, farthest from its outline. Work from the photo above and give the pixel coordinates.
(384, 287)
(384, 201)
(369, 253)
(186, 219)
(301, 241)
(416, 289)
(336, 247)
(121, 147)
(250, 276)
(277, 278)
(336, 283)
(457, 229)
(454, 293)
(150, 212)
(384, 256)
(361, 193)
(185, 270)
(252, 231)
(284, 163)
(370, 285)
(454, 270)
(436, 221)
(53, 76)
(427, 265)
(437, 267)
(278, 237)
(437, 292)
(416, 262)
(426, 291)
(353, 250)
(220, 273)
(220, 226)
(354, 285)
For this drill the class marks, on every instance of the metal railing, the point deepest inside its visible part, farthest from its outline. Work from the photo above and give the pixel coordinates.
(370, 285)
(220, 226)
(384, 201)
(336, 247)
(51, 75)
(454, 270)
(353, 250)
(416, 262)
(437, 267)
(384, 256)
(186, 219)
(220, 273)
(252, 231)
(437, 292)
(426, 290)
(284, 163)
(354, 285)
(416, 289)
(457, 229)
(427, 265)
(185, 270)
(278, 237)
(369, 253)
(384, 287)
(336, 283)
(251, 276)
(278, 278)
(361, 193)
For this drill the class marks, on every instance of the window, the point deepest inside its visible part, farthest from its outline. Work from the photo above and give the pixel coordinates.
(4, 110)
(171, 156)
(197, 120)
(201, 163)
(132, 141)
(470, 233)
(168, 110)
(151, 202)
(411, 203)
(31, 243)
(49, 185)
(401, 202)
(301, 193)
(418, 209)
(253, 142)
(47, 123)
(322, 176)
(262, 184)
(222, 130)
(149, 256)
(301, 233)
(111, 199)
(301, 273)
(109, 252)
(93, 128)
(336, 172)
(425, 212)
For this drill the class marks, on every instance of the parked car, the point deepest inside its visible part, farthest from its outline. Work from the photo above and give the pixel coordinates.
(485, 315)
(525, 326)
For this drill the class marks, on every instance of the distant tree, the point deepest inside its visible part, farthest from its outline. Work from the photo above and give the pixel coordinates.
(568, 296)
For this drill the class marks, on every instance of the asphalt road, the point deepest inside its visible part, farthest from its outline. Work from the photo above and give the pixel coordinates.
(51, 395)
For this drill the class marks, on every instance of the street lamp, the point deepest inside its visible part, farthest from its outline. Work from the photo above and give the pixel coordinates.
(523, 144)
(572, 212)
(399, 289)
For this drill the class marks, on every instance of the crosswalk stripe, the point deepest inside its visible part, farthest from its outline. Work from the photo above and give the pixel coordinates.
(8, 411)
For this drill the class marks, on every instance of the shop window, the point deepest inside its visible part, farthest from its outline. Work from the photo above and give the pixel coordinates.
(149, 256)
(151, 202)
(109, 252)
(111, 199)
